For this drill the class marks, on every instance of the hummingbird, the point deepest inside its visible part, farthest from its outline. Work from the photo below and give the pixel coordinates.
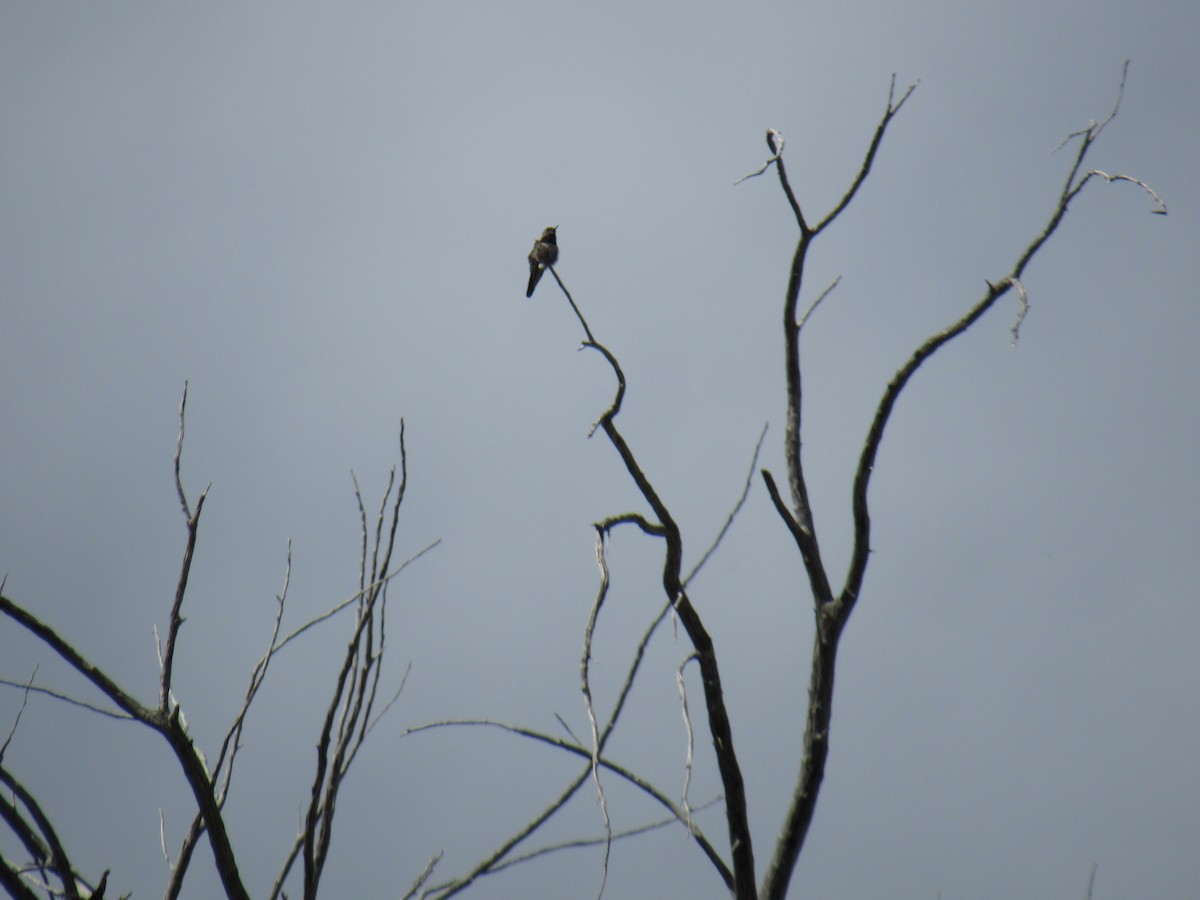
(544, 253)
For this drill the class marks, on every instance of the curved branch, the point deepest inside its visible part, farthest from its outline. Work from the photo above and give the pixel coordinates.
(648, 527)
(737, 507)
(586, 754)
(892, 109)
(719, 725)
(591, 842)
(96, 676)
(672, 581)
(832, 614)
(48, 851)
(169, 727)
(585, 665)
(1072, 186)
(571, 300)
(11, 882)
(866, 463)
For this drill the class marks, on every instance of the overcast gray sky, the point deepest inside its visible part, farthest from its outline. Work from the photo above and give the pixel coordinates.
(318, 215)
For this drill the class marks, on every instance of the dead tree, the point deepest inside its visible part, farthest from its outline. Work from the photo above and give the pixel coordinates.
(831, 607)
(351, 711)
(353, 707)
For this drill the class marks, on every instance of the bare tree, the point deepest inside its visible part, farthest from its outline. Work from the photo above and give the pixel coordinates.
(831, 608)
(354, 705)
(347, 720)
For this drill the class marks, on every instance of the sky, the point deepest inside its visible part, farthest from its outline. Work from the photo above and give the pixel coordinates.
(317, 217)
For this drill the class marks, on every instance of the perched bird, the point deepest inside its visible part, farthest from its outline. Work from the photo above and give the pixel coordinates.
(544, 253)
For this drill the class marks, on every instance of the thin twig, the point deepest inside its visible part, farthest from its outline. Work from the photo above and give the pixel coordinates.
(687, 727)
(355, 598)
(580, 843)
(420, 880)
(396, 696)
(230, 745)
(489, 865)
(1162, 204)
(348, 717)
(26, 688)
(56, 860)
(737, 507)
(571, 300)
(193, 525)
(813, 307)
(1022, 310)
(584, 669)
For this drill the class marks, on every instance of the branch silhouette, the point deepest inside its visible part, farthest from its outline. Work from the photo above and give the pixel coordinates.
(832, 612)
(721, 730)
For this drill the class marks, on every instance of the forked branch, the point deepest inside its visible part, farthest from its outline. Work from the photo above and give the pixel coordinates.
(832, 612)
(165, 717)
(721, 731)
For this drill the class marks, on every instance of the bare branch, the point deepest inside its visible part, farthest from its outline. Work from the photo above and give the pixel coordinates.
(162, 837)
(495, 860)
(193, 525)
(1022, 310)
(229, 746)
(357, 682)
(424, 876)
(781, 508)
(490, 865)
(67, 698)
(687, 727)
(27, 687)
(737, 507)
(571, 300)
(289, 861)
(615, 407)
(1161, 203)
(813, 306)
(775, 142)
(893, 107)
(718, 717)
(166, 719)
(800, 519)
(350, 601)
(1070, 190)
(604, 526)
(187, 512)
(396, 696)
(832, 614)
(362, 516)
(584, 667)
(189, 758)
(56, 860)
(567, 728)
(11, 882)
(50, 638)
(592, 842)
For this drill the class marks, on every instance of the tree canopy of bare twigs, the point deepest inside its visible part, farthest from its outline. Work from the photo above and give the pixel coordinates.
(355, 704)
(348, 717)
(831, 607)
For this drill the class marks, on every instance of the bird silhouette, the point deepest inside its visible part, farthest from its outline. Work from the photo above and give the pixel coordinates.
(544, 253)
